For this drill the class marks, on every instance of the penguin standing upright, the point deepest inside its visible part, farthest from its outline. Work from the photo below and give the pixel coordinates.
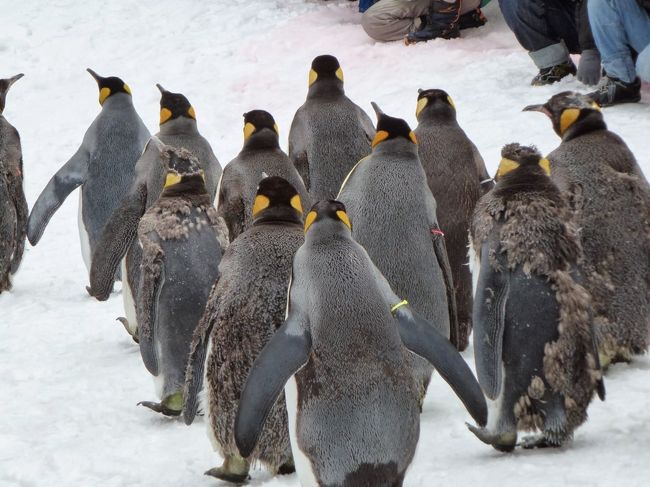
(178, 128)
(245, 308)
(182, 241)
(329, 133)
(457, 178)
(534, 343)
(261, 156)
(342, 351)
(13, 207)
(610, 197)
(394, 216)
(104, 167)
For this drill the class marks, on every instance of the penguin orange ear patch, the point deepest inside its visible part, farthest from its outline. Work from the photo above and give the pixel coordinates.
(568, 118)
(413, 137)
(295, 203)
(191, 113)
(422, 102)
(343, 216)
(165, 114)
(249, 129)
(339, 74)
(172, 179)
(311, 218)
(261, 202)
(313, 76)
(276, 128)
(127, 89)
(545, 165)
(379, 137)
(103, 94)
(451, 102)
(506, 166)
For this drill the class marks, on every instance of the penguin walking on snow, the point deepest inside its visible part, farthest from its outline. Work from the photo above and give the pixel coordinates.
(610, 197)
(104, 167)
(182, 241)
(261, 156)
(457, 178)
(329, 133)
(13, 207)
(245, 308)
(118, 242)
(394, 214)
(342, 351)
(534, 344)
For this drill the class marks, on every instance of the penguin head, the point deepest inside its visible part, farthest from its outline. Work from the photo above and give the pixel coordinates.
(391, 128)
(522, 159)
(571, 113)
(325, 75)
(109, 86)
(174, 105)
(327, 214)
(436, 104)
(183, 173)
(5, 84)
(260, 130)
(276, 200)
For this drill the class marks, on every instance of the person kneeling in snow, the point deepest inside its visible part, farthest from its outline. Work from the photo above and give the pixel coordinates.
(621, 28)
(420, 20)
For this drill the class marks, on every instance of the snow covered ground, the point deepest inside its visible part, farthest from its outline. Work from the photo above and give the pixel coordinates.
(70, 377)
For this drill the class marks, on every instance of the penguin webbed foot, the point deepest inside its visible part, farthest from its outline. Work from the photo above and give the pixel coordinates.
(234, 469)
(160, 408)
(537, 441)
(127, 327)
(505, 442)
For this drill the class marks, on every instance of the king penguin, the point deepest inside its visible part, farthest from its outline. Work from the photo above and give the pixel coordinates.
(104, 167)
(352, 400)
(610, 197)
(261, 156)
(245, 308)
(13, 206)
(534, 343)
(457, 178)
(329, 133)
(181, 249)
(394, 214)
(118, 242)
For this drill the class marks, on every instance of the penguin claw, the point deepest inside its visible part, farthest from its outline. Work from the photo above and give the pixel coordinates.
(498, 442)
(127, 327)
(222, 474)
(159, 408)
(539, 441)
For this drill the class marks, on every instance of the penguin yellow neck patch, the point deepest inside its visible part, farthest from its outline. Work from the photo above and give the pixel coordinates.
(172, 179)
(343, 216)
(545, 165)
(413, 137)
(399, 305)
(103, 94)
(568, 118)
(295, 203)
(422, 102)
(311, 218)
(380, 137)
(191, 113)
(261, 202)
(165, 114)
(249, 129)
(506, 166)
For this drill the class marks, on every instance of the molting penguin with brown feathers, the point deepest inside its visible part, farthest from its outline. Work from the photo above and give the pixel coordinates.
(260, 157)
(118, 242)
(329, 133)
(13, 206)
(246, 306)
(394, 214)
(534, 342)
(104, 167)
(457, 178)
(182, 241)
(610, 197)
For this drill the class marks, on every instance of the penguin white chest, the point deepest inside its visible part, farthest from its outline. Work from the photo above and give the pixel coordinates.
(304, 468)
(83, 234)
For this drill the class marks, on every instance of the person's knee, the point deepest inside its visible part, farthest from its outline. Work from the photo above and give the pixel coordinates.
(643, 64)
(519, 11)
(598, 11)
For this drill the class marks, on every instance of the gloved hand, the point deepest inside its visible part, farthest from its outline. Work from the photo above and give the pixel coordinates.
(589, 67)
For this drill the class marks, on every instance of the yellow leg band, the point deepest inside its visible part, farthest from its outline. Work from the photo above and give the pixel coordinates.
(399, 305)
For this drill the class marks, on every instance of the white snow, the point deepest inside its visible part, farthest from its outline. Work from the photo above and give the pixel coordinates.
(70, 377)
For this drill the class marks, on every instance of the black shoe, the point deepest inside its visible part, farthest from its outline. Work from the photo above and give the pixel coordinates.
(441, 22)
(548, 76)
(471, 19)
(612, 91)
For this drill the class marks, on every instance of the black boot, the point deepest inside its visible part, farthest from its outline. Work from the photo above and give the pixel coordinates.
(612, 91)
(442, 21)
(471, 19)
(547, 76)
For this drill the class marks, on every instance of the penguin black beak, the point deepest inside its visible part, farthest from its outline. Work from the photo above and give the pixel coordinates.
(13, 79)
(97, 77)
(378, 111)
(537, 108)
(162, 90)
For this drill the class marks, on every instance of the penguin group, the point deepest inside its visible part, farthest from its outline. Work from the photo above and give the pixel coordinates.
(300, 302)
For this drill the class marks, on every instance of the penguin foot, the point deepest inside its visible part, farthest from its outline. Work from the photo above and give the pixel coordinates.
(127, 327)
(537, 441)
(287, 468)
(504, 442)
(160, 408)
(234, 469)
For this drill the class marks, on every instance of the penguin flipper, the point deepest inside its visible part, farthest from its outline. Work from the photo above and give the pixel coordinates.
(440, 250)
(297, 150)
(424, 340)
(489, 323)
(67, 179)
(117, 237)
(17, 194)
(152, 277)
(366, 124)
(286, 352)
